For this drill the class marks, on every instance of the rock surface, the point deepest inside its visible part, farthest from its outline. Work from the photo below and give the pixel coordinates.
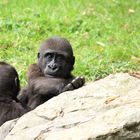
(108, 109)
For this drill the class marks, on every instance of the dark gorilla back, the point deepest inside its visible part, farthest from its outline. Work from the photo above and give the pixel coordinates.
(10, 108)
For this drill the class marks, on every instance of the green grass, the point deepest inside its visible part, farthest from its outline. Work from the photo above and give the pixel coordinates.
(105, 34)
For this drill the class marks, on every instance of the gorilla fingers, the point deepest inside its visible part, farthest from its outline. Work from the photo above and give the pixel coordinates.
(74, 84)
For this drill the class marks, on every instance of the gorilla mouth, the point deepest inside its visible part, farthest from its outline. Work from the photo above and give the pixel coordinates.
(52, 73)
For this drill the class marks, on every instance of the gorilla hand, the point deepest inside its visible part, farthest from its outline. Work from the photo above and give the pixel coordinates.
(74, 84)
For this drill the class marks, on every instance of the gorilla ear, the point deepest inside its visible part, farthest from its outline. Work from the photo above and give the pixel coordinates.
(38, 55)
(16, 82)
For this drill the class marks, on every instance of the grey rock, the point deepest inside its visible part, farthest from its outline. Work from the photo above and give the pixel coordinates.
(107, 109)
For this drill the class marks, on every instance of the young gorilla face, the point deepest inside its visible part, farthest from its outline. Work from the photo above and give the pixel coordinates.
(56, 58)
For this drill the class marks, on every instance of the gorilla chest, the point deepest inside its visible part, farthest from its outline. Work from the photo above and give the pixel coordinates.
(48, 85)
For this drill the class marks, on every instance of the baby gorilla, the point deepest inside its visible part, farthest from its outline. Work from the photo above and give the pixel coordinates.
(52, 74)
(10, 108)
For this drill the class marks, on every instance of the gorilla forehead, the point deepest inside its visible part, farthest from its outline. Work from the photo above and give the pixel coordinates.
(57, 44)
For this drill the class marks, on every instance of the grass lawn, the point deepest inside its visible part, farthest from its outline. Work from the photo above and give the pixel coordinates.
(105, 34)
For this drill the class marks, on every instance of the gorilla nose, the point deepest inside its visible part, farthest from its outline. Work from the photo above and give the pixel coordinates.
(53, 66)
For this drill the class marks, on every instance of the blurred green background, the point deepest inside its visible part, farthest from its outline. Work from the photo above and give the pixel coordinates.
(105, 34)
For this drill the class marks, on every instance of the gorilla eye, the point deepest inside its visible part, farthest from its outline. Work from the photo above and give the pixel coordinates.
(49, 56)
(60, 57)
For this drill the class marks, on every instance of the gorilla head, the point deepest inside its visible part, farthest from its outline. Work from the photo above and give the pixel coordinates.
(9, 80)
(55, 57)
